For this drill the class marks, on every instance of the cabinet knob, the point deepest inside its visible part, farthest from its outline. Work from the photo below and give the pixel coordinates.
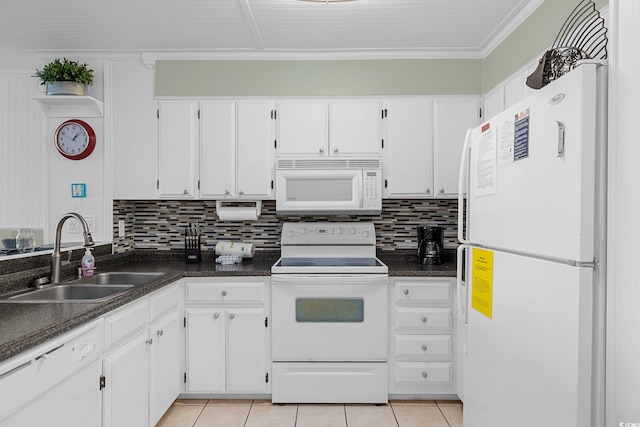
(240, 192)
(425, 375)
(424, 320)
(232, 316)
(226, 192)
(442, 191)
(185, 192)
(160, 332)
(406, 292)
(216, 315)
(335, 150)
(322, 150)
(424, 347)
(224, 293)
(428, 191)
(149, 341)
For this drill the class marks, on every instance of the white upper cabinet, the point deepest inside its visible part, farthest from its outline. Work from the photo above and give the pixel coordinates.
(355, 128)
(254, 163)
(408, 158)
(177, 144)
(302, 128)
(217, 149)
(329, 128)
(452, 118)
(135, 132)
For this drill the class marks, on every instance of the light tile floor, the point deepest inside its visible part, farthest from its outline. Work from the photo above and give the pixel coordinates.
(261, 413)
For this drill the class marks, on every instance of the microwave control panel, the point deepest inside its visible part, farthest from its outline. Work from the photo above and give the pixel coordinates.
(372, 189)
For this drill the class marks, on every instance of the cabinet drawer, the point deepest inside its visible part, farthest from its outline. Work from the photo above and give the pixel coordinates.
(423, 292)
(423, 347)
(163, 301)
(125, 322)
(423, 320)
(226, 292)
(423, 372)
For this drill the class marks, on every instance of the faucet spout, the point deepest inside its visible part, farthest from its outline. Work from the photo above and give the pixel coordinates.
(56, 265)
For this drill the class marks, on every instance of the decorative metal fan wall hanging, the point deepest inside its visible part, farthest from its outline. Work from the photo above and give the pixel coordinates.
(582, 36)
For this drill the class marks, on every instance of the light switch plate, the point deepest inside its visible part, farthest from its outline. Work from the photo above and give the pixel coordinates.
(121, 228)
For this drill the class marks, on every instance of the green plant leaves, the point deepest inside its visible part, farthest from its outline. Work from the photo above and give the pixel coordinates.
(66, 71)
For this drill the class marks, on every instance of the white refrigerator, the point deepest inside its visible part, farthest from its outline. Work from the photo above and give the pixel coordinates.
(531, 265)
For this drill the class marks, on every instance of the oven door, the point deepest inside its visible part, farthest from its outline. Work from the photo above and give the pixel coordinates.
(329, 317)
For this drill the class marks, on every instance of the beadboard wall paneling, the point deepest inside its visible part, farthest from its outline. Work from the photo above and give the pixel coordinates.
(159, 224)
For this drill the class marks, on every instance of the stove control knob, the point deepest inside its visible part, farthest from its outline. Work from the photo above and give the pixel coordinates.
(303, 231)
(291, 233)
(365, 234)
(339, 231)
(352, 231)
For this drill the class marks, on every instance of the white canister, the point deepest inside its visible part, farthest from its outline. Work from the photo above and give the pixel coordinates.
(245, 250)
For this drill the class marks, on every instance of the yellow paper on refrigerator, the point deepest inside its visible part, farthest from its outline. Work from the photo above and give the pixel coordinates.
(482, 280)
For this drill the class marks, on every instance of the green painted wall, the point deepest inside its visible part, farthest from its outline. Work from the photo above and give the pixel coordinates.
(367, 77)
(531, 38)
(318, 77)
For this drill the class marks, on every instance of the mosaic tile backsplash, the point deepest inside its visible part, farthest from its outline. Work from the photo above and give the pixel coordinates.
(159, 224)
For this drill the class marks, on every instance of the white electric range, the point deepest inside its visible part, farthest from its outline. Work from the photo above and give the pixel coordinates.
(330, 315)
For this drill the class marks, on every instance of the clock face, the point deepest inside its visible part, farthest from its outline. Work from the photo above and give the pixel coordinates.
(75, 139)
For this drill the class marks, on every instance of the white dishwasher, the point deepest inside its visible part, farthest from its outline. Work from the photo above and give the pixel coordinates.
(56, 383)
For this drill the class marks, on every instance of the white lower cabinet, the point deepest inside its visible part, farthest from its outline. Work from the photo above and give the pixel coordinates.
(422, 337)
(227, 336)
(141, 366)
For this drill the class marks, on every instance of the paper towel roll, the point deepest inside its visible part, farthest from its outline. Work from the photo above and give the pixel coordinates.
(245, 250)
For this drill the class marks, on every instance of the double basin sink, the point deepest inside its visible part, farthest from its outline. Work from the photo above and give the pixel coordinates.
(97, 288)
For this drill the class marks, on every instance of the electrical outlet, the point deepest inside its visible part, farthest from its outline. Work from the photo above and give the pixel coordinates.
(91, 222)
(121, 228)
(73, 226)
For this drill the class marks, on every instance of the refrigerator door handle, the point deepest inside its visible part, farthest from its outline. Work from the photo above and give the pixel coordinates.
(560, 138)
(461, 260)
(462, 186)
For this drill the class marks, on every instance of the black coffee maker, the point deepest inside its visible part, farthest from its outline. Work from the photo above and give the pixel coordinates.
(430, 245)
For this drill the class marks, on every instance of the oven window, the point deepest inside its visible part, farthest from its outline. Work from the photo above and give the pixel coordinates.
(335, 310)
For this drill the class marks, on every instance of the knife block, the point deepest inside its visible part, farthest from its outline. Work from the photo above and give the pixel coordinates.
(192, 249)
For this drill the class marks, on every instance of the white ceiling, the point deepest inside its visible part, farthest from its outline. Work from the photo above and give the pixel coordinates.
(453, 28)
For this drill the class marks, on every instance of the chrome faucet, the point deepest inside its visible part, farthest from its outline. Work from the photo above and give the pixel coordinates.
(55, 258)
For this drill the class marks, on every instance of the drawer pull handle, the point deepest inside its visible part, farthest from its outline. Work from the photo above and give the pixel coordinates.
(160, 332)
(425, 375)
(224, 293)
(216, 315)
(149, 341)
(232, 316)
(406, 292)
(424, 320)
(424, 347)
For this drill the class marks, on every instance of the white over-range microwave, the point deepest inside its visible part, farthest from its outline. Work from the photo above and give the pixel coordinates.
(328, 186)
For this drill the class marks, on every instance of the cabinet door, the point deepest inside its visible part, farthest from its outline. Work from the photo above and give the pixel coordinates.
(254, 150)
(135, 132)
(407, 152)
(165, 364)
(126, 394)
(217, 149)
(206, 350)
(302, 128)
(452, 118)
(355, 128)
(246, 353)
(177, 141)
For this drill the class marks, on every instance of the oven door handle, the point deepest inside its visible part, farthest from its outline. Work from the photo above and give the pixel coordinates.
(329, 279)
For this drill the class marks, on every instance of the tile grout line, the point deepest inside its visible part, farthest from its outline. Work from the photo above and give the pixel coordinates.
(248, 413)
(200, 414)
(296, 421)
(394, 415)
(443, 415)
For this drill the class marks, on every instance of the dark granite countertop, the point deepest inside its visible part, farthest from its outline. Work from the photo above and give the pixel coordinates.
(25, 325)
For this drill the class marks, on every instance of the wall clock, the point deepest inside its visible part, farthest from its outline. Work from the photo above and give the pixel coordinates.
(75, 139)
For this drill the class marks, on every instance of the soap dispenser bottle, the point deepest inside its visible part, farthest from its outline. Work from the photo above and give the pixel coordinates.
(88, 263)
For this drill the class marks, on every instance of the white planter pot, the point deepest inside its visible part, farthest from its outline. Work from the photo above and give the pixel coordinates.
(65, 88)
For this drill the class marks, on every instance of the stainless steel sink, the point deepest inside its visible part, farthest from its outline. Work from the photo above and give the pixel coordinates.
(118, 278)
(70, 293)
(96, 288)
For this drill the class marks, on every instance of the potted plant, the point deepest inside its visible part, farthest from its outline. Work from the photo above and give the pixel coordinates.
(65, 77)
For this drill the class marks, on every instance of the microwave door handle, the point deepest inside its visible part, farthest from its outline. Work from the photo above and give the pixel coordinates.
(463, 174)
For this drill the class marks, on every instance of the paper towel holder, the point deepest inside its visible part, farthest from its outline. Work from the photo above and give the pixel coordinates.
(238, 213)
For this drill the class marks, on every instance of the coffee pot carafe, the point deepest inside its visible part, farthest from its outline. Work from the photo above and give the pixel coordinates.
(430, 245)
